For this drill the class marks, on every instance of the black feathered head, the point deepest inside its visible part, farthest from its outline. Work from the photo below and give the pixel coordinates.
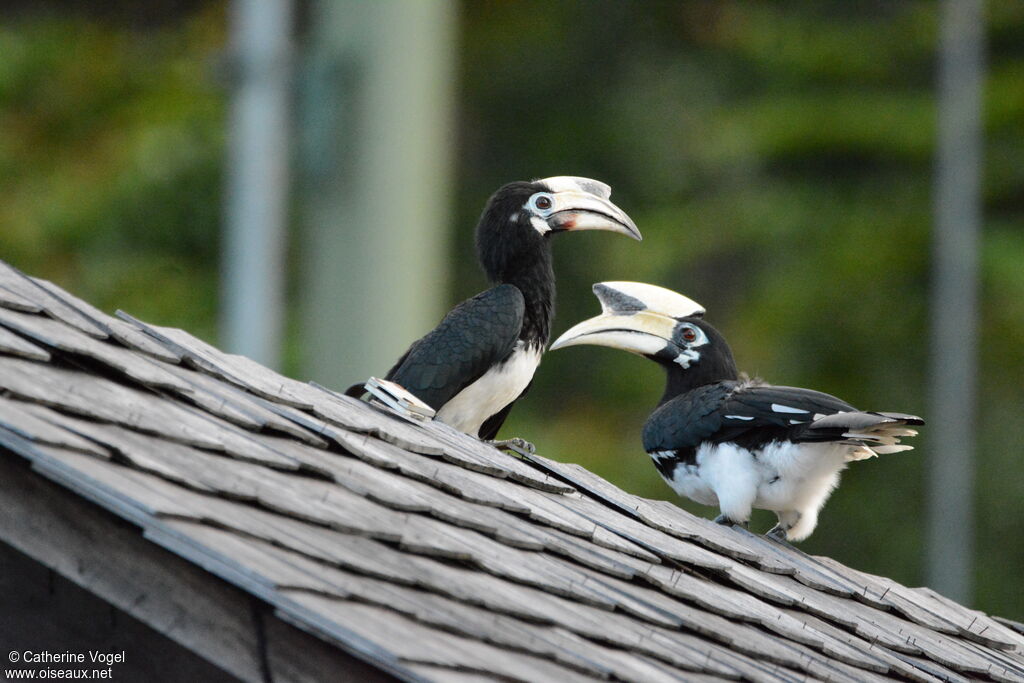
(521, 216)
(656, 323)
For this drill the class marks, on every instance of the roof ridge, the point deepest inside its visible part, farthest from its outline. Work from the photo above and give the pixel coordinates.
(193, 444)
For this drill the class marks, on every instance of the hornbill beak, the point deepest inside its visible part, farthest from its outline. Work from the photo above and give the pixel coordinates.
(583, 204)
(635, 317)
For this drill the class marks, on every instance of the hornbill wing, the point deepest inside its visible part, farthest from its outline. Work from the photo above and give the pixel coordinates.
(811, 416)
(475, 335)
(683, 423)
(749, 415)
(752, 415)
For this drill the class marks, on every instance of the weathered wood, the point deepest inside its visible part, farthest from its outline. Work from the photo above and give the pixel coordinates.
(1004, 665)
(852, 649)
(40, 606)
(18, 302)
(413, 496)
(473, 486)
(238, 407)
(971, 624)
(427, 646)
(237, 370)
(128, 335)
(1015, 626)
(659, 515)
(293, 655)
(598, 626)
(430, 438)
(16, 345)
(102, 481)
(904, 636)
(487, 456)
(291, 572)
(675, 521)
(446, 674)
(746, 639)
(98, 398)
(428, 552)
(731, 603)
(110, 559)
(31, 421)
(60, 336)
(774, 588)
(23, 287)
(623, 532)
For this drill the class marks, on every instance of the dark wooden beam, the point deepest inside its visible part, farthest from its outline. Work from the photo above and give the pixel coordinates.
(109, 557)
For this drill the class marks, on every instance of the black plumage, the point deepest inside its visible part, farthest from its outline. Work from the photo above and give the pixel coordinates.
(481, 358)
(740, 412)
(477, 334)
(723, 440)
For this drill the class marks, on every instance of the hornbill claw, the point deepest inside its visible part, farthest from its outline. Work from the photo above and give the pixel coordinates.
(728, 521)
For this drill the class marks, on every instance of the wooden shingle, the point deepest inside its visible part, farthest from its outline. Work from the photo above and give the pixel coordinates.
(422, 552)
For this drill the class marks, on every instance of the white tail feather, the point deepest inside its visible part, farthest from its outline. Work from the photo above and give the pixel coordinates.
(885, 450)
(870, 439)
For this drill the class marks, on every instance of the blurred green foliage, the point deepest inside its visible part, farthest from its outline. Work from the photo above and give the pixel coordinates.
(777, 158)
(111, 141)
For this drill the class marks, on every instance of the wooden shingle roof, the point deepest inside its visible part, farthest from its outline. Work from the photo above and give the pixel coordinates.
(425, 552)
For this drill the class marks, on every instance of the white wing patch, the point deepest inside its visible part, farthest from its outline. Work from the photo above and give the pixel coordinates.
(738, 417)
(779, 408)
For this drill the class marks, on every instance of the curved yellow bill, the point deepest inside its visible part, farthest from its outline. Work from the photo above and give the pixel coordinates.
(576, 210)
(643, 332)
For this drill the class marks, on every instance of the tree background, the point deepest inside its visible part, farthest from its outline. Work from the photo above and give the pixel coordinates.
(777, 157)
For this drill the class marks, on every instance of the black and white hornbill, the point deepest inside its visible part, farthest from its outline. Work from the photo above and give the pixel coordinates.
(481, 358)
(723, 440)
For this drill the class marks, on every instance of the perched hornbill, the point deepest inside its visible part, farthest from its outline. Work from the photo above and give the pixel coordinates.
(723, 440)
(481, 358)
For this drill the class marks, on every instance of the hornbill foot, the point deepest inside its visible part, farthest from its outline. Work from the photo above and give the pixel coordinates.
(514, 444)
(725, 520)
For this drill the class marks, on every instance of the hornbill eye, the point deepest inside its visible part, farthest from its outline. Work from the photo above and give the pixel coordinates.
(542, 201)
(688, 334)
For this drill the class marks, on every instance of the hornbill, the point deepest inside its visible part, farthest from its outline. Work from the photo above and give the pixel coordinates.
(481, 358)
(721, 439)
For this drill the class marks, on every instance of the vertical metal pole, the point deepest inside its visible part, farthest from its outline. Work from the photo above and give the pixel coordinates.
(376, 130)
(957, 204)
(257, 183)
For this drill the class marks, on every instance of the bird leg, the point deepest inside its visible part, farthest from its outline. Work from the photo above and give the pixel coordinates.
(514, 444)
(729, 521)
(787, 520)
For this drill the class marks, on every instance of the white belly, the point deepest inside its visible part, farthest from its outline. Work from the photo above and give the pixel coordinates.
(782, 476)
(795, 476)
(498, 387)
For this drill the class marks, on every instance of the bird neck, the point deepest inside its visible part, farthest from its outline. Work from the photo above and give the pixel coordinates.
(716, 367)
(535, 278)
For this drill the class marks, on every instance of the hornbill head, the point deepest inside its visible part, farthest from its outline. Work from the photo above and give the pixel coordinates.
(656, 323)
(521, 216)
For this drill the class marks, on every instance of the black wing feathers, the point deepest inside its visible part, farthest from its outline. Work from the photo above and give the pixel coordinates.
(749, 415)
(475, 335)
